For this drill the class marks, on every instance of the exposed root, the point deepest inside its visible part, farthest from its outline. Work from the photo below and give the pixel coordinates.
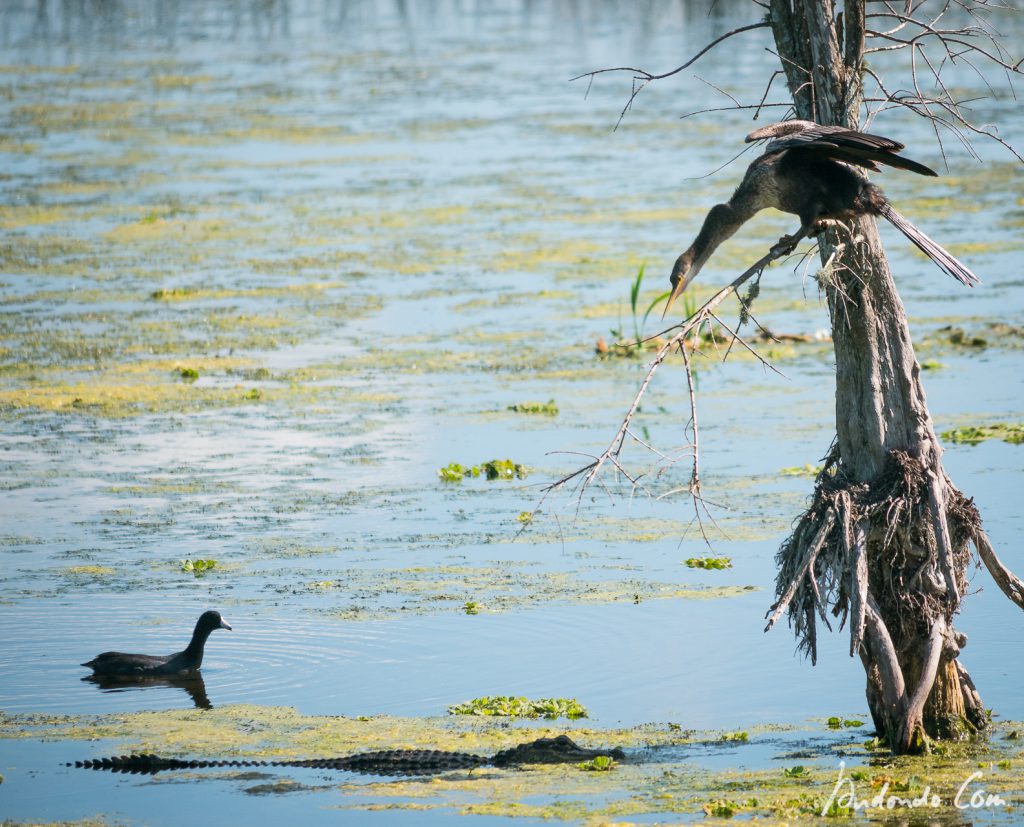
(1010, 584)
(890, 558)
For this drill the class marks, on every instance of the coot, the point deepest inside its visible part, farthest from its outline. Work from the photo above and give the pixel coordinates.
(119, 663)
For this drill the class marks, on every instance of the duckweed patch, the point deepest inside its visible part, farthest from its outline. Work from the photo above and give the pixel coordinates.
(1012, 433)
(602, 763)
(90, 571)
(836, 722)
(495, 469)
(548, 408)
(364, 594)
(198, 567)
(807, 470)
(509, 706)
(967, 336)
(709, 563)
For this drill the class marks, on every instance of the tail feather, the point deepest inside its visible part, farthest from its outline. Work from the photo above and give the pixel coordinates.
(940, 256)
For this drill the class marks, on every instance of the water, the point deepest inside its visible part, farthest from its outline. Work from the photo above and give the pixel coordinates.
(392, 226)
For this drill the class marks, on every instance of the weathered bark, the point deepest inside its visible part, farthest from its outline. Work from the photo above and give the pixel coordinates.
(895, 562)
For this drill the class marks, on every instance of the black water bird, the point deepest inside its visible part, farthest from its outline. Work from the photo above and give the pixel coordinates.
(811, 171)
(180, 663)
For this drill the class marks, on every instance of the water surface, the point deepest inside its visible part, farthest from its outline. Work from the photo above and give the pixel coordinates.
(370, 229)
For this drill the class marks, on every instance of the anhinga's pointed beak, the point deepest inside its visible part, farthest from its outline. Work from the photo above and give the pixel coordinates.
(681, 276)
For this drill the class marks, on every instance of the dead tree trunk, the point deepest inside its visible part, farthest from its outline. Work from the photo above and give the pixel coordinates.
(886, 540)
(884, 543)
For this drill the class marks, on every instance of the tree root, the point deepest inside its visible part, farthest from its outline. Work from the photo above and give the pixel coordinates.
(890, 558)
(1010, 584)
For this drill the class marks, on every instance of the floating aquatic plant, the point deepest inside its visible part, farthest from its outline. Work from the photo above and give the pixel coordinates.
(601, 763)
(519, 707)
(495, 469)
(973, 434)
(836, 722)
(548, 408)
(807, 470)
(709, 563)
(198, 567)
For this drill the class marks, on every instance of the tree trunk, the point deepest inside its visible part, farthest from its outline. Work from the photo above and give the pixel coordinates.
(890, 529)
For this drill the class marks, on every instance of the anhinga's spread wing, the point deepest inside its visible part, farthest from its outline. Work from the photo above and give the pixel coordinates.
(838, 143)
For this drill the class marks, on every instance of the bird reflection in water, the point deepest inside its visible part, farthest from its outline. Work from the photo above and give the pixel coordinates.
(192, 684)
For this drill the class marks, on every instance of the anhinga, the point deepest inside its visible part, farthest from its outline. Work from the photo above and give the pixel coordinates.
(810, 170)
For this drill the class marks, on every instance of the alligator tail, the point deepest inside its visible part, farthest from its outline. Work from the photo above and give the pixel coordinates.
(384, 762)
(148, 764)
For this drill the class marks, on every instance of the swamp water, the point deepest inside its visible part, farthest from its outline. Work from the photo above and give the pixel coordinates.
(267, 267)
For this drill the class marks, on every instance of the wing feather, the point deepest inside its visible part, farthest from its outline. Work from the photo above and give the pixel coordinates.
(861, 149)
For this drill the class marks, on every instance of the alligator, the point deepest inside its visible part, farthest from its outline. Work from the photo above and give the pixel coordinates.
(559, 750)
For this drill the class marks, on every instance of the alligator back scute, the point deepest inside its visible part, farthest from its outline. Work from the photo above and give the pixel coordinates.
(408, 761)
(558, 750)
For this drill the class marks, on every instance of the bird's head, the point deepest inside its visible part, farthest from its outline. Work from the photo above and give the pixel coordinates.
(683, 272)
(212, 620)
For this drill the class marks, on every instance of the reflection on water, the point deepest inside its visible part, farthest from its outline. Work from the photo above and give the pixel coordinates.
(193, 685)
(122, 23)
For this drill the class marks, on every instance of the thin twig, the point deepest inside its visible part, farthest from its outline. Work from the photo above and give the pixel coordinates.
(641, 77)
(590, 473)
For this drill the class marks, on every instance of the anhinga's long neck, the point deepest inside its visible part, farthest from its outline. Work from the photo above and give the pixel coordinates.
(720, 224)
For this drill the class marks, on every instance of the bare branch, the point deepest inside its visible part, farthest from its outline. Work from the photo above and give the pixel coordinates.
(641, 77)
(590, 473)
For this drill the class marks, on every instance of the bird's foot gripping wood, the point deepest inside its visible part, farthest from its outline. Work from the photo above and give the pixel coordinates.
(786, 245)
(820, 225)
